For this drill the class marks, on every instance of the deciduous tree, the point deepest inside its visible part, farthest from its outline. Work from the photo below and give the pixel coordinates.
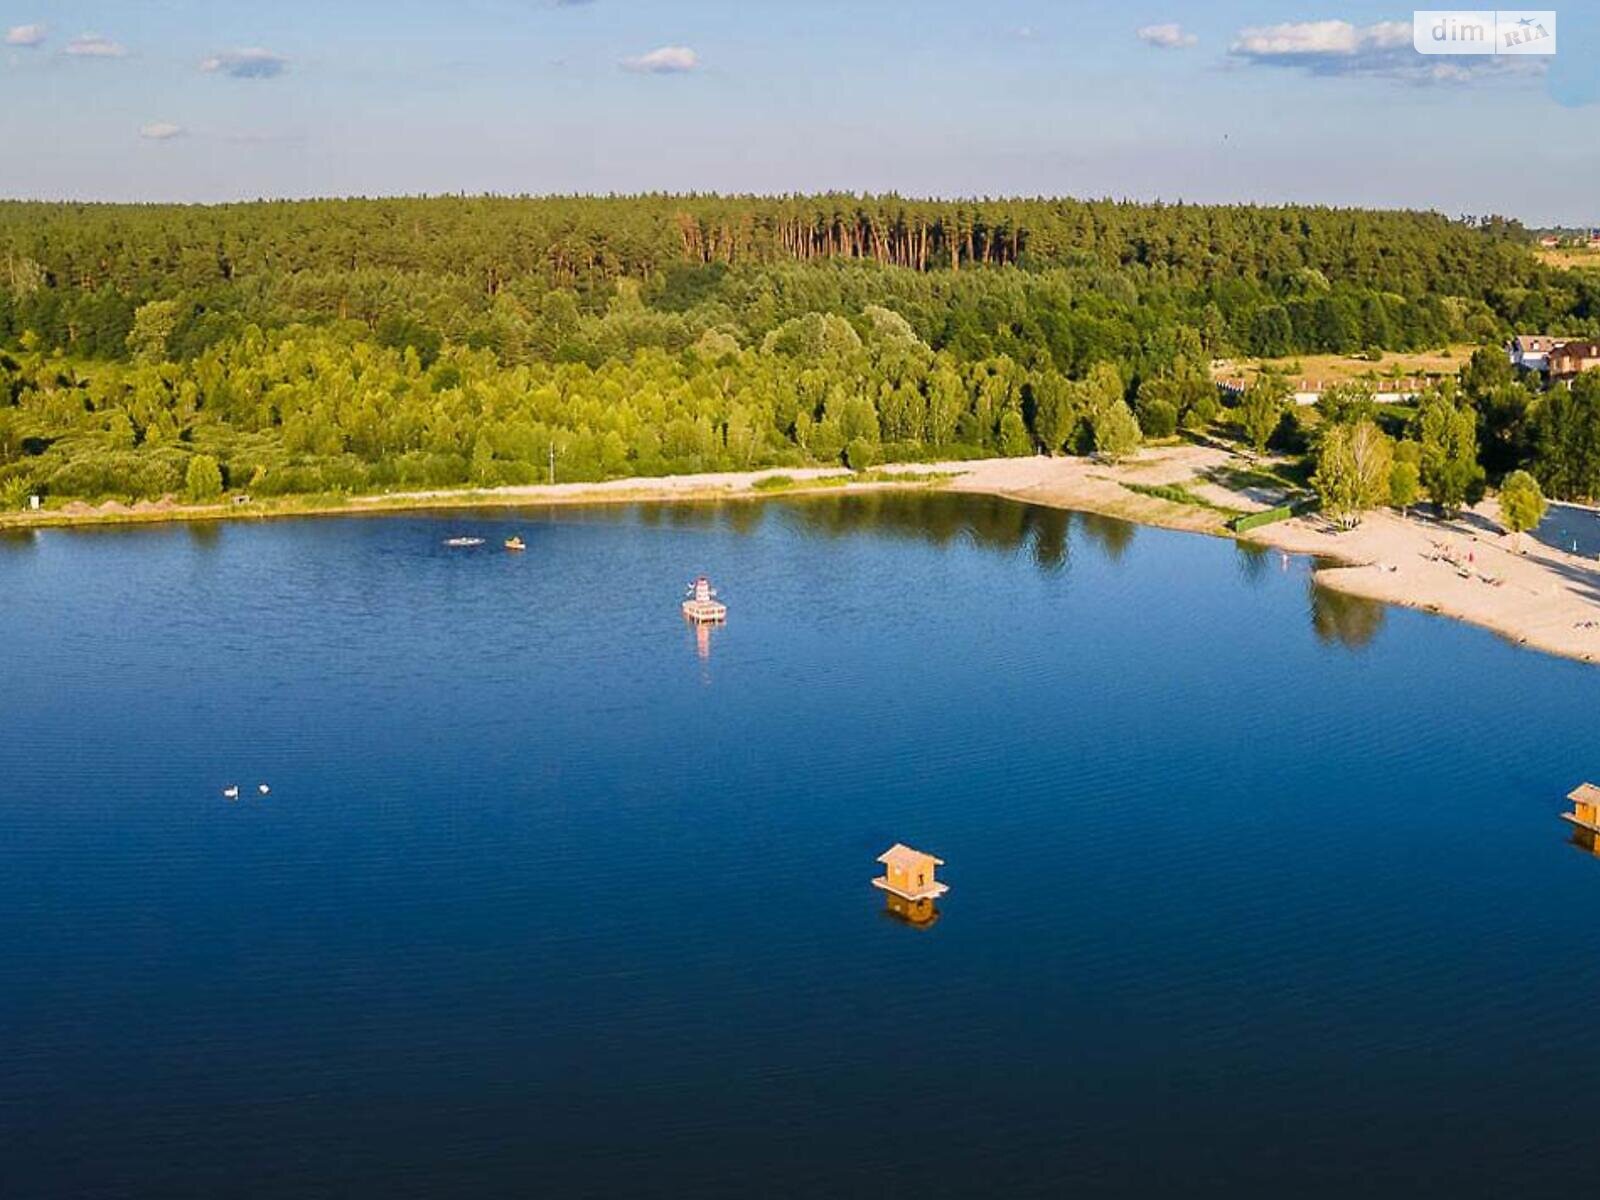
(1449, 457)
(1353, 471)
(1261, 409)
(1522, 504)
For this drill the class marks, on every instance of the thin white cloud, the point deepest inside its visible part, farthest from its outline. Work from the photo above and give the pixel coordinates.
(1167, 36)
(1384, 49)
(252, 62)
(160, 131)
(667, 60)
(92, 45)
(1301, 42)
(25, 35)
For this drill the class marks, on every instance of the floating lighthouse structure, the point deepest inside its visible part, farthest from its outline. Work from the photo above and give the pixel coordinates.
(702, 606)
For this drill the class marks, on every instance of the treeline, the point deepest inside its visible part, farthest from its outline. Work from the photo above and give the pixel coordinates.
(320, 409)
(573, 241)
(1069, 317)
(346, 345)
(515, 275)
(478, 269)
(323, 409)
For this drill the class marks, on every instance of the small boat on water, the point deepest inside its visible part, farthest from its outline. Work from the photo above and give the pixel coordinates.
(701, 605)
(516, 543)
(231, 793)
(463, 541)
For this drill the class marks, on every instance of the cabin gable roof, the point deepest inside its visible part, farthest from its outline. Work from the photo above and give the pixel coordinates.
(903, 856)
(1585, 793)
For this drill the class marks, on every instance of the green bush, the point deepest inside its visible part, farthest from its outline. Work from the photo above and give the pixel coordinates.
(203, 480)
(861, 454)
(1202, 411)
(135, 474)
(14, 493)
(1171, 492)
(1157, 418)
(896, 452)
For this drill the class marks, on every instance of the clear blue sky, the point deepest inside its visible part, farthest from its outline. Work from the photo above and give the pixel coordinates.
(191, 100)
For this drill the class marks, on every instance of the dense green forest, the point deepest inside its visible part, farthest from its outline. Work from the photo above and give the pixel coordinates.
(364, 344)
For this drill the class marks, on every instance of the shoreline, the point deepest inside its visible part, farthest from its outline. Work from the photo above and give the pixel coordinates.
(637, 490)
(1465, 568)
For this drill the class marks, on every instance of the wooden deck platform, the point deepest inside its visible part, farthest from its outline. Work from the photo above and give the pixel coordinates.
(705, 612)
(932, 892)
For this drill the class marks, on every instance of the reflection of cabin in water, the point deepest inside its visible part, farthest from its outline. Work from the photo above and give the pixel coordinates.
(1585, 812)
(919, 914)
(909, 874)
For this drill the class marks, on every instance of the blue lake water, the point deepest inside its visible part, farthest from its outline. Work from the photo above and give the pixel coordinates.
(1254, 890)
(1570, 528)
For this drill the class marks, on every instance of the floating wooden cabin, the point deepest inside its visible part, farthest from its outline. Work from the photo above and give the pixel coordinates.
(1585, 812)
(909, 874)
(702, 604)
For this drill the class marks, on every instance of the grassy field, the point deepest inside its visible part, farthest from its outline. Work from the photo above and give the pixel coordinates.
(1571, 258)
(1286, 477)
(1337, 368)
(1176, 493)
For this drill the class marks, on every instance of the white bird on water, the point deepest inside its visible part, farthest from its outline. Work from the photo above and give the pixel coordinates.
(264, 789)
(232, 793)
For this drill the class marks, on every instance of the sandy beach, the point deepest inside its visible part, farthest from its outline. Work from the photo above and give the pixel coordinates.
(1467, 568)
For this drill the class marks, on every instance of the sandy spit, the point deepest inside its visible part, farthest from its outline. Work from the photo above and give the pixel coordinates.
(1467, 568)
